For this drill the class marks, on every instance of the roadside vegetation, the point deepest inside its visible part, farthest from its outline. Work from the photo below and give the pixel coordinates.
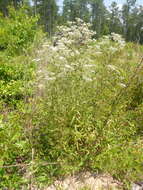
(68, 104)
(19, 37)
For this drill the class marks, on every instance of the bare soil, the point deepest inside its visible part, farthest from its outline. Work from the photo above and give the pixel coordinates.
(86, 181)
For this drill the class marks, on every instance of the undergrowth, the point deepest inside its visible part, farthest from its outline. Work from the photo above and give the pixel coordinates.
(83, 112)
(19, 37)
(89, 117)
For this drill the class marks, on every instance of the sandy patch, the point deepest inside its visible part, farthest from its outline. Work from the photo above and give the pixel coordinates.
(88, 180)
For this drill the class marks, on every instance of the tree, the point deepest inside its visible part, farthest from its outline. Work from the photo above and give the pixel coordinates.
(136, 24)
(5, 3)
(83, 10)
(126, 18)
(68, 10)
(3, 6)
(115, 21)
(97, 15)
(47, 9)
(76, 9)
(139, 27)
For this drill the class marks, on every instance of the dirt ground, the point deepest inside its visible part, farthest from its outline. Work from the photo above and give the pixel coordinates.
(86, 181)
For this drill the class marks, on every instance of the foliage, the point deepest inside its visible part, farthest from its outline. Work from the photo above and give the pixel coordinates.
(16, 79)
(17, 31)
(48, 11)
(126, 19)
(17, 76)
(86, 119)
(83, 111)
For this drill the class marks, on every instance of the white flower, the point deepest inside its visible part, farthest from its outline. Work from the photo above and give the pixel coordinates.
(68, 67)
(50, 78)
(122, 85)
(89, 66)
(62, 58)
(111, 67)
(54, 48)
(40, 71)
(77, 52)
(87, 79)
(36, 60)
(1, 124)
(45, 45)
(113, 49)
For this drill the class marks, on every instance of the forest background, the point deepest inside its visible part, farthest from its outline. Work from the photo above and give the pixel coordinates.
(126, 19)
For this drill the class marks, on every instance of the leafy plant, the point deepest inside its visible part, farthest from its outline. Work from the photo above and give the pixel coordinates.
(17, 31)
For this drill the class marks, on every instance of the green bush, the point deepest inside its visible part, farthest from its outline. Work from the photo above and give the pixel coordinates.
(19, 37)
(15, 76)
(17, 31)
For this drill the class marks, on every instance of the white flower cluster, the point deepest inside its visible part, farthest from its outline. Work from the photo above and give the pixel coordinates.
(73, 48)
(75, 33)
(118, 38)
(111, 44)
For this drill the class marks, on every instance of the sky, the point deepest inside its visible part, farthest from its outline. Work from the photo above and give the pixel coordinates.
(108, 2)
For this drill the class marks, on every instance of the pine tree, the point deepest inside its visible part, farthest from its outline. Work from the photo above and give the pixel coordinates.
(76, 9)
(97, 15)
(69, 10)
(5, 3)
(126, 12)
(115, 21)
(136, 24)
(83, 10)
(47, 9)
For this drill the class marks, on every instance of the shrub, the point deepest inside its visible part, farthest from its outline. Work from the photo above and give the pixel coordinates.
(17, 31)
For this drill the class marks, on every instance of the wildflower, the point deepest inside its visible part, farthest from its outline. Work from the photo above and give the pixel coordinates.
(89, 65)
(77, 52)
(36, 60)
(53, 48)
(68, 67)
(40, 71)
(45, 45)
(50, 78)
(113, 49)
(1, 124)
(122, 85)
(62, 58)
(87, 79)
(111, 67)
